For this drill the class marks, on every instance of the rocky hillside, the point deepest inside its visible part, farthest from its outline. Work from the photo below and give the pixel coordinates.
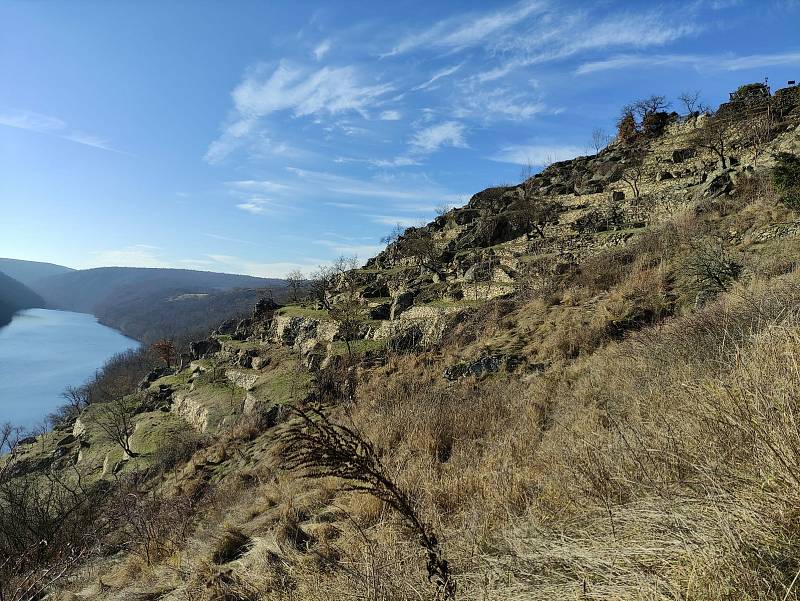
(582, 386)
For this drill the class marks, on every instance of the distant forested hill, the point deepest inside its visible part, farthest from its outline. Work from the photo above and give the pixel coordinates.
(15, 296)
(29, 272)
(152, 303)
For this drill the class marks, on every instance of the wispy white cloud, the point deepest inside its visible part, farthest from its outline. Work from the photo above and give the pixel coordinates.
(391, 116)
(536, 154)
(697, 61)
(430, 139)
(256, 206)
(401, 161)
(437, 76)
(499, 103)
(297, 90)
(467, 30)
(252, 185)
(559, 37)
(321, 49)
(45, 124)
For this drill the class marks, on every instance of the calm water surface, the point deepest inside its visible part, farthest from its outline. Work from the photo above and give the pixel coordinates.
(42, 352)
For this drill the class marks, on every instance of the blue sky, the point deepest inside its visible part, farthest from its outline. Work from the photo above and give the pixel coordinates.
(259, 137)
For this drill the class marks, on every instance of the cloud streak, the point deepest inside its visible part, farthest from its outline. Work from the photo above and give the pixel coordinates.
(700, 62)
(45, 124)
(468, 30)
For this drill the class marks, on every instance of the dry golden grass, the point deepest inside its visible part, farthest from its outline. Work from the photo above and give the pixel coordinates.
(657, 456)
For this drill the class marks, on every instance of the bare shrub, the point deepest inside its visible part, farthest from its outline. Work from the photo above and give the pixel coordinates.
(48, 524)
(115, 420)
(156, 524)
(318, 448)
(711, 268)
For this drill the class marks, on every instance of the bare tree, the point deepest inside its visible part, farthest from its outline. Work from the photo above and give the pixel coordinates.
(632, 171)
(77, 399)
(713, 136)
(600, 139)
(690, 101)
(346, 309)
(443, 209)
(165, 350)
(115, 419)
(418, 243)
(757, 131)
(649, 106)
(326, 277)
(294, 282)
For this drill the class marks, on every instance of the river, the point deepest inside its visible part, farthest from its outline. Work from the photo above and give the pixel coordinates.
(42, 352)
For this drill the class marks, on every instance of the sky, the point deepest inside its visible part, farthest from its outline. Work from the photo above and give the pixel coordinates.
(261, 137)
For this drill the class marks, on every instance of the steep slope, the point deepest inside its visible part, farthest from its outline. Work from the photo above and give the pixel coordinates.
(15, 296)
(29, 272)
(566, 394)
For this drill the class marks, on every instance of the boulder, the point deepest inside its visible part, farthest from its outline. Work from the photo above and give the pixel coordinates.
(682, 154)
(381, 312)
(487, 364)
(406, 340)
(375, 290)
(590, 187)
(264, 309)
(154, 375)
(400, 303)
(226, 327)
(663, 175)
(260, 362)
(717, 183)
(202, 349)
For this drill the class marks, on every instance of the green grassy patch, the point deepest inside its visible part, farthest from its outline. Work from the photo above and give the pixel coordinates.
(288, 383)
(301, 311)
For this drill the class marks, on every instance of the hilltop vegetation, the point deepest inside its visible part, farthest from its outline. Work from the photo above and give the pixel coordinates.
(581, 386)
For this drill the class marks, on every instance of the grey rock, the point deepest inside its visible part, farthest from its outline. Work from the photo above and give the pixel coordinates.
(682, 154)
(202, 349)
(381, 312)
(401, 302)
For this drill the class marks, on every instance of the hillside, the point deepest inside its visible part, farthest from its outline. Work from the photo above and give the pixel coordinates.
(15, 296)
(29, 272)
(147, 304)
(582, 386)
